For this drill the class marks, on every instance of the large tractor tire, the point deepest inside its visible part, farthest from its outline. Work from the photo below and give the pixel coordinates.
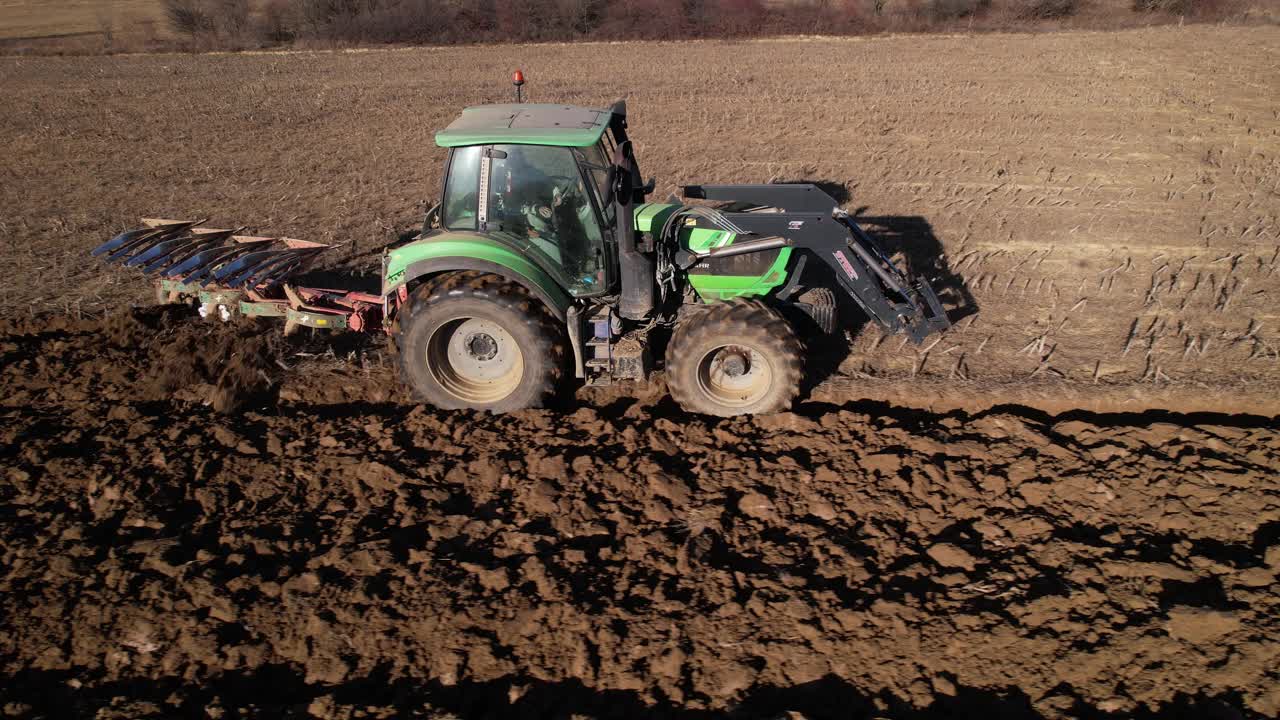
(476, 341)
(736, 358)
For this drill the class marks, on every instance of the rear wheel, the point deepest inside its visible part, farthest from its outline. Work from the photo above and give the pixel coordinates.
(738, 358)
(472, 340)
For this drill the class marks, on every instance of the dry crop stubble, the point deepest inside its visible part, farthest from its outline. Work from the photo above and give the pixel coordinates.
(1106, 202)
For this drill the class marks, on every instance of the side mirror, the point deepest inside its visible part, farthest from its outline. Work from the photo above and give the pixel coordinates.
(649, 186)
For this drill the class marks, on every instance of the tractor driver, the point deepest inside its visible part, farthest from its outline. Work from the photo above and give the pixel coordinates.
(546, 207)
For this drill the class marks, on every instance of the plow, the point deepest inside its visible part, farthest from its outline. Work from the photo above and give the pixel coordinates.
(545, 260)
(226, 274)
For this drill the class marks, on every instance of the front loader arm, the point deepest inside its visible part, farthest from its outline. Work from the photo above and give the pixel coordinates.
(811, 221)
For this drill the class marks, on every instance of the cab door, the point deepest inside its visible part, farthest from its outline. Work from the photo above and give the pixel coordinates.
(594, 163)
(541, 196)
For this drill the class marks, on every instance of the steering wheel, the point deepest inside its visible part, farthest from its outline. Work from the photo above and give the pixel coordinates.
(564, 181)
(565, 184)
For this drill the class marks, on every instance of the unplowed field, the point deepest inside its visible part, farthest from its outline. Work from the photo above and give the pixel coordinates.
(1069, 505)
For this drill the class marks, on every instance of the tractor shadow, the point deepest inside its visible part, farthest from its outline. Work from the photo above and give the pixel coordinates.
(911, 237)
(909, 240)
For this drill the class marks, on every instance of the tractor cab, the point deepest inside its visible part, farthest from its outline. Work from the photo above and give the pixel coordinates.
(537, 177)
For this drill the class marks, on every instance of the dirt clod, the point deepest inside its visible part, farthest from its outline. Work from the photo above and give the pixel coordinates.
(948, 555)
(1198, 625)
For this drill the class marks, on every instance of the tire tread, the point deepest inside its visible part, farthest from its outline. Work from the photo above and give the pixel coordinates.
(501, 292)
(755, 323)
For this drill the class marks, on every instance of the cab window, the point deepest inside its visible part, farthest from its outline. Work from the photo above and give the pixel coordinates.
(462, 186)
(538, 192)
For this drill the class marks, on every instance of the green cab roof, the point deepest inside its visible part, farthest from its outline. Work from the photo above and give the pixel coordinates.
(525, 124)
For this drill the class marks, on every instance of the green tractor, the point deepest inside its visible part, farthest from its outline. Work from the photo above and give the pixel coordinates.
(544, 258)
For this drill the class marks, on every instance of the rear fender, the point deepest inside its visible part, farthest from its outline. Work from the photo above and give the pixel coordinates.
(419, 260)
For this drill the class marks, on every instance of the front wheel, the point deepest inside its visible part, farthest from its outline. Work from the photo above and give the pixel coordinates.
(737, 358)
(476, 341)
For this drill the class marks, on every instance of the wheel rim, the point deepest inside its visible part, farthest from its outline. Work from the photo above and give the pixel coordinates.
(475, 360)
(734, 375)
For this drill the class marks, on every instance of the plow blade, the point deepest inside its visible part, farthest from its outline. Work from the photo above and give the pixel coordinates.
(159, 253)
(179, 251)
(127, 242)
(263, 267)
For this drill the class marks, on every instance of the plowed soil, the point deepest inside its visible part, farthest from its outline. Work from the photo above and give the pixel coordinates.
(374, 558)
(1068, 506)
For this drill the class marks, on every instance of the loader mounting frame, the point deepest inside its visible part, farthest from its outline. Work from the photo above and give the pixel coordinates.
(811, 220)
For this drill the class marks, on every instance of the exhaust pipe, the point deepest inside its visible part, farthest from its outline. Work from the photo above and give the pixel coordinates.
(639, 271)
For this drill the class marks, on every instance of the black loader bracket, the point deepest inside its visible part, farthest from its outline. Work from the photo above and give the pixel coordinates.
(802, 216)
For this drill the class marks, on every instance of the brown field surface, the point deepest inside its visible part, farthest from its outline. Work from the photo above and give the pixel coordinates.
(1107, 202)
(62, 18)
(1066, 506)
